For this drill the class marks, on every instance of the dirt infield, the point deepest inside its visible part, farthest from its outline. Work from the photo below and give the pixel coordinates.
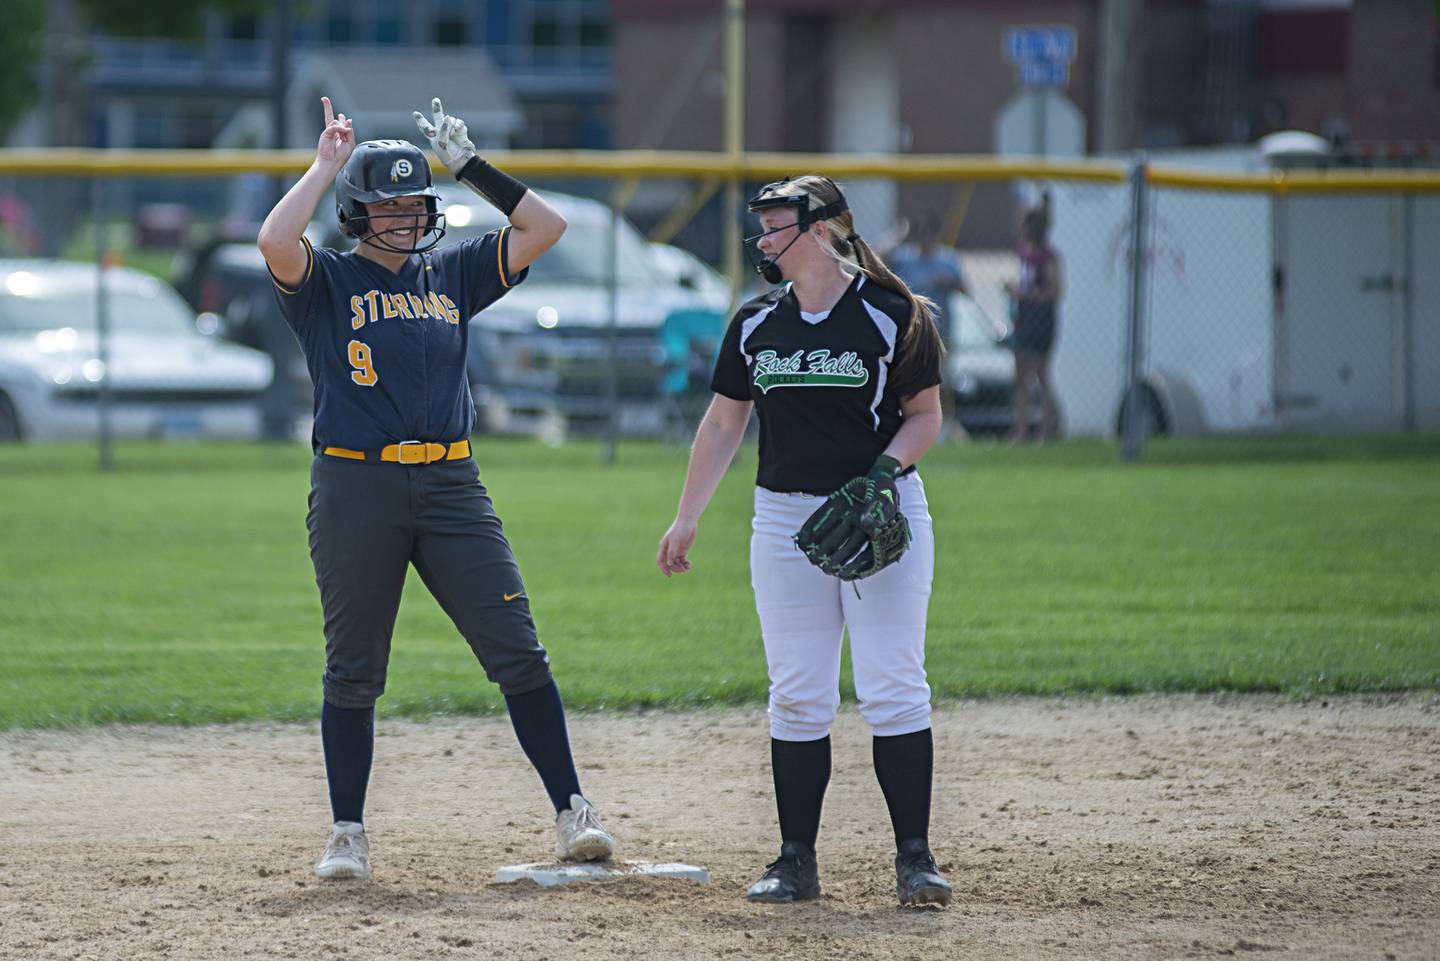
(1154, 827)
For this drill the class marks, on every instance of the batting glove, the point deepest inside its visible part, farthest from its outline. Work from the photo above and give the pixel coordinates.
(448, 137)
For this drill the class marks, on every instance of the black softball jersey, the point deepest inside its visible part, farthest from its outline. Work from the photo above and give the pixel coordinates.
(820, 382)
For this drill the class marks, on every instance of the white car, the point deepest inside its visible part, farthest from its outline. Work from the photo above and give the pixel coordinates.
(165, 377)
(689, 271)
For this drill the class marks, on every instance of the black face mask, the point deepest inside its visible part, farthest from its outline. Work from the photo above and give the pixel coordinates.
(766, 266)
(434, 229)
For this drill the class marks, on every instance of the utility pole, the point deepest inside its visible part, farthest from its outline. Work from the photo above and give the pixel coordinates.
(60, 79)
(280, 83)
(1118, 70)
(734, 139)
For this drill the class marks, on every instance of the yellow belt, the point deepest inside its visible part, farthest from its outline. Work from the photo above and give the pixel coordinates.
(407, 452)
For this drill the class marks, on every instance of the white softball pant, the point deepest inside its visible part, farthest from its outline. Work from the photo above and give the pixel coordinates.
(804, 614)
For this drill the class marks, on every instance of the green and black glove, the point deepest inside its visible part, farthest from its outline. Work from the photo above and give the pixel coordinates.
(859, 530)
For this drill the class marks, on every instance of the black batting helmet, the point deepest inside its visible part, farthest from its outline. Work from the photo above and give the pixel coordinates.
(381, 170)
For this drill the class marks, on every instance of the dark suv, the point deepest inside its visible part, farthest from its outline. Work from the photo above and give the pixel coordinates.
(226, 278)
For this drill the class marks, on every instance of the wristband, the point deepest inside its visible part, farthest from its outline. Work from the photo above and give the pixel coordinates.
(887, 465)
(502, 190)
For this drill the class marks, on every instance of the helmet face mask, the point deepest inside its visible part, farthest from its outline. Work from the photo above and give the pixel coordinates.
(778, 195)
(381, 170)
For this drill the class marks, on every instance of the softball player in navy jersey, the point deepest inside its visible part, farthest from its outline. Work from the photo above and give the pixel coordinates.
(384, 328)
(842, 363)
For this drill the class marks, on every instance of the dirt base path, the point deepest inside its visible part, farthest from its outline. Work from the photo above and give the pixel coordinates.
(1154, 827)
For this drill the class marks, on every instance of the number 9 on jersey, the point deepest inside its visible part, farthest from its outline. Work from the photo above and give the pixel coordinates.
(364, 372)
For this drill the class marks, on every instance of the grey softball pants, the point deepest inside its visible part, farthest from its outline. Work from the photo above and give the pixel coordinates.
(368, 522)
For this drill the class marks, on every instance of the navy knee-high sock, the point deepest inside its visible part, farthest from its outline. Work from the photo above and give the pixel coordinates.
(538, 717)
(348, 734)
(904, 766)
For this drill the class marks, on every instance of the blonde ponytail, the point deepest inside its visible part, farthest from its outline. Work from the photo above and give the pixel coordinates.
(921, 348)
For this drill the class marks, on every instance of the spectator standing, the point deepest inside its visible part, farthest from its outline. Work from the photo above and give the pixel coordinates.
(1035, 296)
(931, 269)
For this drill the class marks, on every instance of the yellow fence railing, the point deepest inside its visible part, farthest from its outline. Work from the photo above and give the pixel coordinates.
(753, 166)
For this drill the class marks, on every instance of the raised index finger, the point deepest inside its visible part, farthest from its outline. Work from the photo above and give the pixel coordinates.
(329, 114)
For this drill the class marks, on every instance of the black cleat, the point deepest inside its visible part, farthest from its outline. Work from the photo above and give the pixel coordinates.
(791, 877)
(917, 879)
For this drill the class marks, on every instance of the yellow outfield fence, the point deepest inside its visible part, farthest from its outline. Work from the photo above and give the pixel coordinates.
(581, 163)
(908, 168)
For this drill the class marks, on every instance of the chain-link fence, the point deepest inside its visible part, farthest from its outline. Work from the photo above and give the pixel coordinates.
(1264, 311)
(1261, 305)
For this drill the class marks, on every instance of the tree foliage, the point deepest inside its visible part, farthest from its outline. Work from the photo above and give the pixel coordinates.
(22, 36)
(176, 19)
(20, 43)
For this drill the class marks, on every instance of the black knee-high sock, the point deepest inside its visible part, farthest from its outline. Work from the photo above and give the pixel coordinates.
(348, 734)
(538, 717)
(802, 772)
(904, 767)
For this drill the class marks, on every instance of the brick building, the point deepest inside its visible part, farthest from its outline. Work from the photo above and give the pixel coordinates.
(931, 76)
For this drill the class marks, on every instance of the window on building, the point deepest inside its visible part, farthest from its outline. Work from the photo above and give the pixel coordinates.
(168, 128)
(196, 129)
(389, 30)
(498, 27)
(340, 29)
(243, 26)
(450, 31)
(449, 23)
(569, 23)
(594, 27)
(150, 129)
(563, 124)
(545, 26)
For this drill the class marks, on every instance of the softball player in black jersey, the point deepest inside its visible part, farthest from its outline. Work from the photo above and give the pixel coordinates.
(842, 364)
(384, 329)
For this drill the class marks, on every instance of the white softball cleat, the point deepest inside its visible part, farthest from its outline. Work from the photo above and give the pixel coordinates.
(579, 835)
(347, 855)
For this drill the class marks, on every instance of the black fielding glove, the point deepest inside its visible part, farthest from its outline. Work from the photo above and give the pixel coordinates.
(859, 530)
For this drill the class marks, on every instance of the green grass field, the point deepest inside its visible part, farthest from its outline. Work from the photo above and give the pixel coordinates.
(178, 587)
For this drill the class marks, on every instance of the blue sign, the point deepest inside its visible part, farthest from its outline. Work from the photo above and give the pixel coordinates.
(1044, 73)
(1041, 55)
(1040, 43)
